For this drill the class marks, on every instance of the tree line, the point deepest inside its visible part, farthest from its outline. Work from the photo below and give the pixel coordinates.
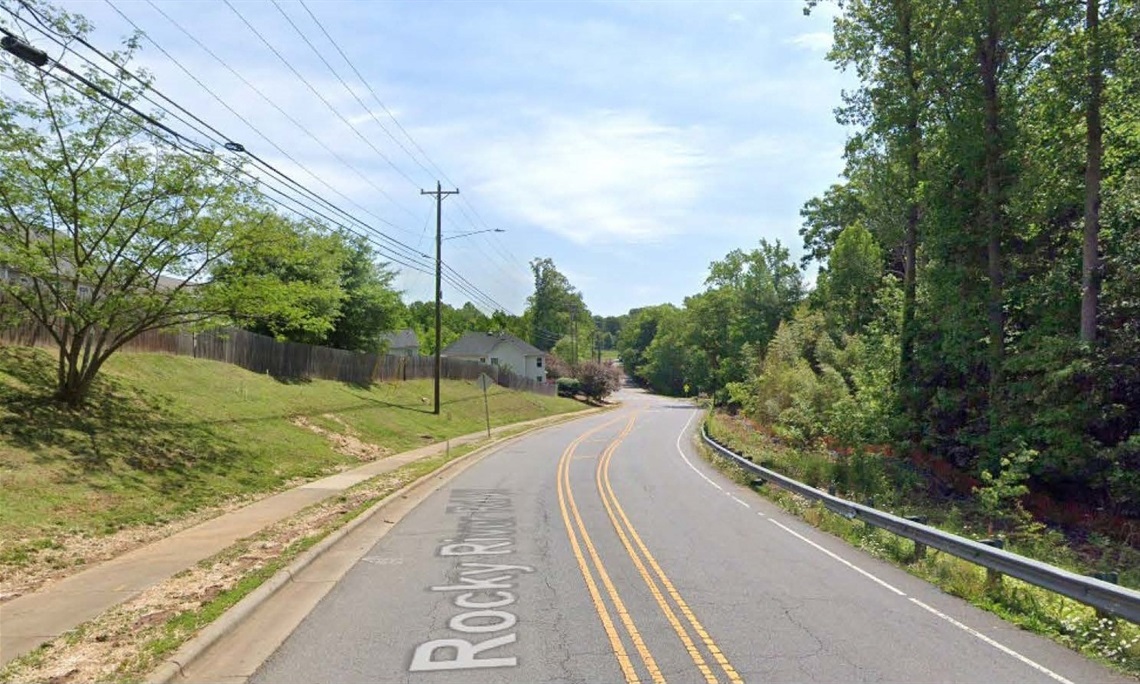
(978, 291)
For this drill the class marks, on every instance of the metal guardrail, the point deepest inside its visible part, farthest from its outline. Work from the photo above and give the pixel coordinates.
(1104, 596)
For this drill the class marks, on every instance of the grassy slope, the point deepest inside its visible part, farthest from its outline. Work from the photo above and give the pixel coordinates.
(165, 435)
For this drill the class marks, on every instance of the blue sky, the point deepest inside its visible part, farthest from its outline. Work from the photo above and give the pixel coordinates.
(631, 142)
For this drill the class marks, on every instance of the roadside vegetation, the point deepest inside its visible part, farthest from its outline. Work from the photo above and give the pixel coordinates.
(167, 438)
(970, 339)
(890, 485)
(131, 640)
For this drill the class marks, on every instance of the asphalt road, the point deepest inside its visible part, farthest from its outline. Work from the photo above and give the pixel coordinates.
(605, 550)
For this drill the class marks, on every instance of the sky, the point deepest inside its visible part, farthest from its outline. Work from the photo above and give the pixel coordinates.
(631, 142)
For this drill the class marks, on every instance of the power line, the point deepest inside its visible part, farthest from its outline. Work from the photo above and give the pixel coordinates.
(260, 94)
(244, 120)
(377, 99)
(57, 65)
(262, 135)
(351, 92)
(465, 285)
(225, 140)
(385, 251)
(316, 92)
(494, 242)
(50, 34)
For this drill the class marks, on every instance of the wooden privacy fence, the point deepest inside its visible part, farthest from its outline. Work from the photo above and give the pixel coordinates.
(262, 354)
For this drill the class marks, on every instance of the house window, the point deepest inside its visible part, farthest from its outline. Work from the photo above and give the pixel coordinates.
(494, 361)
(482, 359)
(538, 362)
(538, 379)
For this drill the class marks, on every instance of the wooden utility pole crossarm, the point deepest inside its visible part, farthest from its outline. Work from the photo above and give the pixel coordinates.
(439, 194)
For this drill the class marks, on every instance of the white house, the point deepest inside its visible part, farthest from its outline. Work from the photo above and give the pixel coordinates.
(402, 343)
(499, 349)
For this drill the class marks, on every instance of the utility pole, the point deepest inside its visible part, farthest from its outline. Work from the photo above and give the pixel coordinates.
(574, 335)
(439, 194)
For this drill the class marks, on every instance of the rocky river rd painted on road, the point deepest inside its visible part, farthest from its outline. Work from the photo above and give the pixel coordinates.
(605, 550)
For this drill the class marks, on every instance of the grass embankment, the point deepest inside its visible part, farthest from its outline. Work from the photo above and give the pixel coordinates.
(127, 642)
(899, 490)
(164, 437)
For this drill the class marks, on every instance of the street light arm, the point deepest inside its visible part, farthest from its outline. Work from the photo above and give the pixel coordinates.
(476, 232)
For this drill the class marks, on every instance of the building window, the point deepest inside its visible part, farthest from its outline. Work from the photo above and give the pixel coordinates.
(494, 361)
(482, 359)
(538, 362)
(538, 379)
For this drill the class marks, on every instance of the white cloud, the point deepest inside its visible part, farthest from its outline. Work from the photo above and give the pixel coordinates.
(816, 41)
(603, 176)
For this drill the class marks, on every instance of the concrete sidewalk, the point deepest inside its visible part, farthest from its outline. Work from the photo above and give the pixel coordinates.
(32, 619)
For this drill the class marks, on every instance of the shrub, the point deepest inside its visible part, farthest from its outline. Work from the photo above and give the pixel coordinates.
(598, 380)
(568, 387)
(556, 368)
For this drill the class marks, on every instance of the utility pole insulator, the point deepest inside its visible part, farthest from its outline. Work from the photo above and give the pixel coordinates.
(27, 53)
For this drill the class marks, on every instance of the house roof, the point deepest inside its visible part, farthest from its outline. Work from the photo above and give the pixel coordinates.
(401, 339)
(481, 344)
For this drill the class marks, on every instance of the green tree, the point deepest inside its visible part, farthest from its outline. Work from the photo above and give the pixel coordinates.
(854, 272)
(454, 322)
(825, 217)
(667, 357)
(637, 335)
(109, 231)
(759, 289)
(286, 283)
(552, 305)
(371, 306)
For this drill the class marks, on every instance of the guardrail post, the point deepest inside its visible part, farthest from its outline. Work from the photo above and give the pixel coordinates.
(868, 528)
(1119, 601)
(1112, 577)
(919, 547)
(993, 577)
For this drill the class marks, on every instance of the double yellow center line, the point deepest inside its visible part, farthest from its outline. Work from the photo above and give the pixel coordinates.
(660, 587)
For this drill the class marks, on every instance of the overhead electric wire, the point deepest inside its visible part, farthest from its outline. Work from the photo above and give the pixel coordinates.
(460, 282)
(57, 65)
(368, 86)
(351, 92)
(49, 33)
(261, 184)
(501, 249)
(322, 98)
(262, 95)
(387, 252)
(255, 129)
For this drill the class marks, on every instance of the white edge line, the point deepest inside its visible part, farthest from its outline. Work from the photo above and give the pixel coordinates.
(690, 463)
(1001, 647)
(1004, 649)
(854, 567)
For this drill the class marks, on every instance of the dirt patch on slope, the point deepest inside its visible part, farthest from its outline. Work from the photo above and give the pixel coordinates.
(348, 442)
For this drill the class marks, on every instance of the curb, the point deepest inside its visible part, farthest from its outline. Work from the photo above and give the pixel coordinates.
(169, 671)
